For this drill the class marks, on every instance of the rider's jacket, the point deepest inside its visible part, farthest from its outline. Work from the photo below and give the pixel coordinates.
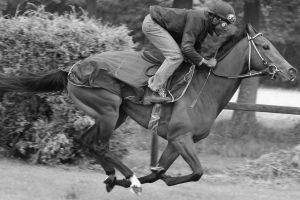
(188, 27)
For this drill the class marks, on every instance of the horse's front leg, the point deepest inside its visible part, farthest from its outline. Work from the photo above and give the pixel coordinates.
(184, 144)
(168, 156)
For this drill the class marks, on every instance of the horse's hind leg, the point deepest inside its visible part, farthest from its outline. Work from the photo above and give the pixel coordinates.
(103, 106)
(107, 166)
(86, 138)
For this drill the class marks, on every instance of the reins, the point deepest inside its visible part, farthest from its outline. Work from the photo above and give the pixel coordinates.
(201, 90)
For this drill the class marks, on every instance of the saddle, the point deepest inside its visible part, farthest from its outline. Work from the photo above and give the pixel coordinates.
(176, 85)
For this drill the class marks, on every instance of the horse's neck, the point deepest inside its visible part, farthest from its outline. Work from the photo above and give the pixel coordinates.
(220, 90)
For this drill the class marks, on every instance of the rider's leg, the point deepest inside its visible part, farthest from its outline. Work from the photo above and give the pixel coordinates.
(162, 39)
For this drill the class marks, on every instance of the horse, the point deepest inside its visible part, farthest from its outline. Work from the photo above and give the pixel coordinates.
(182, 123)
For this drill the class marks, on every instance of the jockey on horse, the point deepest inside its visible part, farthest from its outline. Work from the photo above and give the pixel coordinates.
(178, 34)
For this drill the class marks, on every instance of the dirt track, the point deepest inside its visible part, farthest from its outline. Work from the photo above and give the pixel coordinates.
(21, 181)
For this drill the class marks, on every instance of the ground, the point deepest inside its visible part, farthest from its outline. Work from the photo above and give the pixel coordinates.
(22, 181)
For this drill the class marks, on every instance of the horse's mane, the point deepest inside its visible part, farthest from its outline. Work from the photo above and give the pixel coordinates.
(230, 42)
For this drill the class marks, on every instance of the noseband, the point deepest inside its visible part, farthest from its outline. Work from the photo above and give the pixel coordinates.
(270, 69)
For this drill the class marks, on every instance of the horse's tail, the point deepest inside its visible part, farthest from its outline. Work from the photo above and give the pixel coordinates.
(55, 80)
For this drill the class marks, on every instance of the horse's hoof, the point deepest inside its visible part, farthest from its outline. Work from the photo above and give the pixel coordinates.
(157, 170)
(110, 182)
(135, 186)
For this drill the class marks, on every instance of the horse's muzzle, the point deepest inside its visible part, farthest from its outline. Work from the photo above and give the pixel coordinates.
(274, 71)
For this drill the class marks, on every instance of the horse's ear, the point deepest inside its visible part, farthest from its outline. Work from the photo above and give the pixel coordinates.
(250, 29)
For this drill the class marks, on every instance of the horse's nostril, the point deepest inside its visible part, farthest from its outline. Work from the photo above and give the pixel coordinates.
(293, 73)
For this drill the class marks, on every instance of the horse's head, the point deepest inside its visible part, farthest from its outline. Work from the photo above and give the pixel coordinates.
(263, 56)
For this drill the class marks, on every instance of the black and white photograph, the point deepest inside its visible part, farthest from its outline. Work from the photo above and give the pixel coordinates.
(149, 99)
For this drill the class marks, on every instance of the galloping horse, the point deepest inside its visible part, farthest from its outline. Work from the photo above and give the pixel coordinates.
(182, 123)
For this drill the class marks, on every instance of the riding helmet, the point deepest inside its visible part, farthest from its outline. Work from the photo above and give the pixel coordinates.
(223, 10)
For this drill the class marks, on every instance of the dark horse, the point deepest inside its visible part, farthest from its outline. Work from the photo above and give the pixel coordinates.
(182, 123)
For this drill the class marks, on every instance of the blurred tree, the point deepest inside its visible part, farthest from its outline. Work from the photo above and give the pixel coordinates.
(91, 7)
(10, 7)
(243, 121)
(281, 19)
(183, 4)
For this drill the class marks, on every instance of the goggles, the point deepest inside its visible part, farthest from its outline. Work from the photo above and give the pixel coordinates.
(224, 24)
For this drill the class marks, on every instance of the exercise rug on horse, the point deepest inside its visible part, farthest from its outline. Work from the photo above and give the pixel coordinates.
(133, 69)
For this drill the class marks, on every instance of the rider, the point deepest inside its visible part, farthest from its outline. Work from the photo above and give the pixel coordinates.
(178, 34)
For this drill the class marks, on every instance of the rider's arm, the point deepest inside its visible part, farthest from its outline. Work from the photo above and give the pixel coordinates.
(192, 29)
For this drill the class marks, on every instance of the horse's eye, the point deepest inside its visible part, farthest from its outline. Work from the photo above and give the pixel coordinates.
(266, 47)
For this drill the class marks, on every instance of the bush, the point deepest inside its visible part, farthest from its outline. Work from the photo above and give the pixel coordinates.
(276, 165)
(251, 143)
(42, 41)
(43, 128)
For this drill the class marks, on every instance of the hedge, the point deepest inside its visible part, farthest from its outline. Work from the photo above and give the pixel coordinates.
(43, 127)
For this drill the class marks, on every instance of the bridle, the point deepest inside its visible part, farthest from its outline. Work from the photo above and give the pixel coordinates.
(270, 69)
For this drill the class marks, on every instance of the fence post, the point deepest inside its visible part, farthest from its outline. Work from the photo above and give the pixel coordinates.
(154, 150)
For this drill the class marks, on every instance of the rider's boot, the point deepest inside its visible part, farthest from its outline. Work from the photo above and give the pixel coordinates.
(160, 96)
